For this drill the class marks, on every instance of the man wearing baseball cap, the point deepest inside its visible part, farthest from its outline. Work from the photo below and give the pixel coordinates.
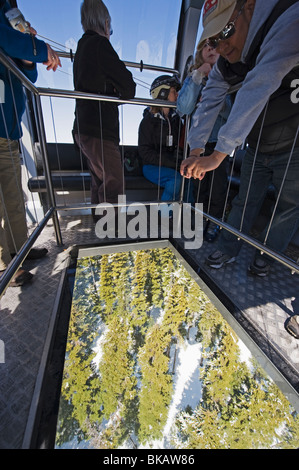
(258, 43)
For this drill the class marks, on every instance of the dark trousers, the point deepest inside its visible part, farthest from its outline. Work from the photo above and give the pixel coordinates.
(104, 163)
(246, 205)
(211, 191)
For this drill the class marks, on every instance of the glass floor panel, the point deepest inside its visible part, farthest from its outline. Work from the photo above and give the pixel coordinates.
(154, 361)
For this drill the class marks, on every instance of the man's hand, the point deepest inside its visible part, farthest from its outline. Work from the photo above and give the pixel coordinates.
(53, 59)
(196, 166)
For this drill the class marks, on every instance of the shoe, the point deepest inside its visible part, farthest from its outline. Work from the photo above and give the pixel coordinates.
(211, 233)
(292, 326)
(20, 278)
(218, 259)
(259, 267)
(37, 253)
(34, 253)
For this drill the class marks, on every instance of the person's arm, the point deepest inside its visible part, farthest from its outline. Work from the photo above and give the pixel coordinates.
(188, 96)
(191, 90)
(278, 55)
(20, 46)
(116, 72)
(212, 100)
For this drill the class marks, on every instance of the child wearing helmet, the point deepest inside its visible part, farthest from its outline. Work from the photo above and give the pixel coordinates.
(159, 139)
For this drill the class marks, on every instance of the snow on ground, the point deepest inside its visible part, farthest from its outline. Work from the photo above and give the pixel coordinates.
(186, 386)
(187, 390)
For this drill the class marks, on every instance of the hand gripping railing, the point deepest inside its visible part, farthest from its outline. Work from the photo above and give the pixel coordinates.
(17, 261)
(52, 212)
(149, 102)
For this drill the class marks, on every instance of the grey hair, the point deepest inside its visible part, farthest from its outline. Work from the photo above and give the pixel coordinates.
(94, 15)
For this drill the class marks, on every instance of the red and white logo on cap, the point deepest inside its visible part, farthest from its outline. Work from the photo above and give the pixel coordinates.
(209, 7)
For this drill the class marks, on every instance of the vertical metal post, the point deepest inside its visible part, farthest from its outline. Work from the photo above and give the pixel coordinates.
(187, 125)
(44, 153)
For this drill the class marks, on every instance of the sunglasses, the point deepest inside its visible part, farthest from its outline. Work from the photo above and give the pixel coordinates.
(226, 33)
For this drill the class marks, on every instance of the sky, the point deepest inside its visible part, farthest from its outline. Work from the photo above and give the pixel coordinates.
(142, 30)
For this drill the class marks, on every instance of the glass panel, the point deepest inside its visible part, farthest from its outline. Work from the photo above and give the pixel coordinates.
(144, 31)
(151, 363)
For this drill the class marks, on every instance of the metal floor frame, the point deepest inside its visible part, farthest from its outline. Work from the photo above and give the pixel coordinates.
(260, 306)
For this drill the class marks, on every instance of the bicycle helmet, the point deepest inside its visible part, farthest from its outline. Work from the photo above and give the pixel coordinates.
(161, 86)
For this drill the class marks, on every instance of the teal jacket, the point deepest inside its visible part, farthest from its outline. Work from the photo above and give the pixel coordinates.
(17, 46)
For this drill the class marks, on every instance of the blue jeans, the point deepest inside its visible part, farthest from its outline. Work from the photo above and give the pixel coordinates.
(170, 180)
(268, 169)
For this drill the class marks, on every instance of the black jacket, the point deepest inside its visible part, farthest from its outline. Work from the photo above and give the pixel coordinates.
(150, 142)
(98, 69)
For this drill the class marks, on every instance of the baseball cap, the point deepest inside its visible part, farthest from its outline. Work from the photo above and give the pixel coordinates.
(216, 15)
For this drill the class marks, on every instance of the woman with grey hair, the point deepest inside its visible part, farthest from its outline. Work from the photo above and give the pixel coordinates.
(95, 16)
(98, 69)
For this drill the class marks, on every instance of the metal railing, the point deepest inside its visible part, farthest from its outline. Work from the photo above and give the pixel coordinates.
(52, 211)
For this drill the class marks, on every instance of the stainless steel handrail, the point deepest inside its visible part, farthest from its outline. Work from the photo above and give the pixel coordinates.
(57, 93)
(10, 65)
(53, 210)
(136, 65)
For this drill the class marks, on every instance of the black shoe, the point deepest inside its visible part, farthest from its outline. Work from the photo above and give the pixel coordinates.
(20, 278)
(34, 253)
(292, 326)
(259, 268)
(217, 259)
(37, 253)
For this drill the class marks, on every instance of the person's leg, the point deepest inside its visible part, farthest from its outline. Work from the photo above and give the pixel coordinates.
(218, 190)
(216, 200)
(241, 219)
(167, 178)
(286, 218)
(113, 178)
(104, 161)
(13, 229)
(5, 256)
(247, 204)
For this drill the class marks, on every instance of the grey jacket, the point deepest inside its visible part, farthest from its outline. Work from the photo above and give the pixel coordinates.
(278, 55)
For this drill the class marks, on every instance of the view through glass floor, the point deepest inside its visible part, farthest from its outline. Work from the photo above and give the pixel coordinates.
(151, 363)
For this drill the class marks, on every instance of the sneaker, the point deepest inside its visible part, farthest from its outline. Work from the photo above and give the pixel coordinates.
(259, 267)
(292, 326)
(218, 259)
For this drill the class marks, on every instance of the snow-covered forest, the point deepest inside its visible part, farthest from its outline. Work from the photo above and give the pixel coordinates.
(151, 363)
